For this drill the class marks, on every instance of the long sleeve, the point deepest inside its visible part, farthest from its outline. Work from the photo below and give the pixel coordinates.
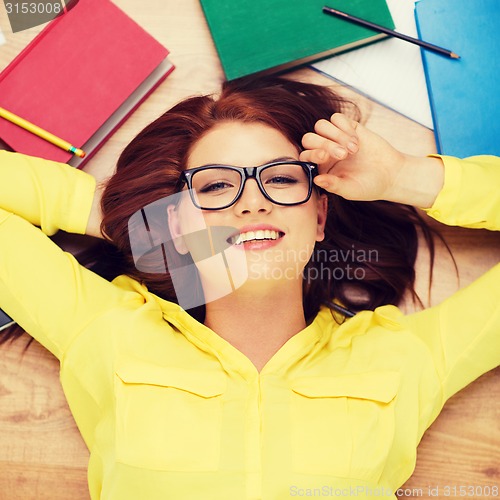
(471, 193)
(463, 333)
(49, 195)
(43, 288)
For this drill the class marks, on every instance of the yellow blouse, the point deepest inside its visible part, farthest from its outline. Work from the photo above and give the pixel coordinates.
(170, 410)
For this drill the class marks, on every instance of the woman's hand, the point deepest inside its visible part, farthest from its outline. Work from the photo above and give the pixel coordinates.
(358, 164)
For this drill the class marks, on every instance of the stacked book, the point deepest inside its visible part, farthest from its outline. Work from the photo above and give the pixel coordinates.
(79, 79)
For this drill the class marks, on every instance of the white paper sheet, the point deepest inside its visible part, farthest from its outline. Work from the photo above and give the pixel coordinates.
(389, 72)
(2, 38)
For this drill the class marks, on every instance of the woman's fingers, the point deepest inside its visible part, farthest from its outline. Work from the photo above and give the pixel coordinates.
(313, 141)
(331, 141)
(340, 130)
(328, 182)
(318, 156)
(338, 185)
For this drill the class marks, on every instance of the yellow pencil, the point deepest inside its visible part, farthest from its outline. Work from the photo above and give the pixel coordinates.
(40, 132)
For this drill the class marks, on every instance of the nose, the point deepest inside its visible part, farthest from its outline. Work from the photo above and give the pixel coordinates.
(252, 200)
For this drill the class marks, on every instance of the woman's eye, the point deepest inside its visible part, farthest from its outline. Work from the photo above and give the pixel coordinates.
(281, 179)
(216, 186)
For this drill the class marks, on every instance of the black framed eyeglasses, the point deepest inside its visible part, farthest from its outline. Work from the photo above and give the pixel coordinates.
(214, 187)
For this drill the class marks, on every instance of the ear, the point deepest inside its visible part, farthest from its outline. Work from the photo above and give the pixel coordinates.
(174, 226)
(322, 213)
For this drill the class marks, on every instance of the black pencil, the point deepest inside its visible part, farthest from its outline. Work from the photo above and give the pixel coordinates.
(382, 29)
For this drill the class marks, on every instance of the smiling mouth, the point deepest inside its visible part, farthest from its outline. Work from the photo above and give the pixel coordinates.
(259, 235)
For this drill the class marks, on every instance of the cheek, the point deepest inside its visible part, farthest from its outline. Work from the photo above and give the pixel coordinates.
(205, 233)
(310, 223)
(190, 218)
(304, 232)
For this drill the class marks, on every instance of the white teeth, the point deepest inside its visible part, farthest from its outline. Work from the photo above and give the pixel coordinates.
(260, 234)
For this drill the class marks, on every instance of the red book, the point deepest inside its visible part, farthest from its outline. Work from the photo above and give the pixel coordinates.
(79, 79)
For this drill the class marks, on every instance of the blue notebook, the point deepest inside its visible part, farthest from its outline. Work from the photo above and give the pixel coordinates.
(464, 93)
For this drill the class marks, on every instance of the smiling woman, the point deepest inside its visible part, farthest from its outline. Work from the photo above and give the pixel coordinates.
(250, 346)
(251, 207)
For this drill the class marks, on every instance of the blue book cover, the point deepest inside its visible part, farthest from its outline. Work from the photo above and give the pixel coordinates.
(464, 93)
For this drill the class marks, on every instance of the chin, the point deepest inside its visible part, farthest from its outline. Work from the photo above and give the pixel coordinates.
(266, 273)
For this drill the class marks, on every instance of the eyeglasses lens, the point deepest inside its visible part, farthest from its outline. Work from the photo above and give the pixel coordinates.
(286, 184)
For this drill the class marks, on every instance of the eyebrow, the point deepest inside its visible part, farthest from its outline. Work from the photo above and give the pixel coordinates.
(283, 158)
(280, 158)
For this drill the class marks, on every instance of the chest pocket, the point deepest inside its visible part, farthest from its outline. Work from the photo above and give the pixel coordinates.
(343, 426)
(168, 418)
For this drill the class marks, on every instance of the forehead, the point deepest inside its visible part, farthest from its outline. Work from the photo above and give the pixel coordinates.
(240, 144)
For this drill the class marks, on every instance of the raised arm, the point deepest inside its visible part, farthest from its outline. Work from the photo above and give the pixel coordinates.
(358, 164)
(463, 333)
(42, 288)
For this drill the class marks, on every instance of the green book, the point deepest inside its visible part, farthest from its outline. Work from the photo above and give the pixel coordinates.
(255, 36)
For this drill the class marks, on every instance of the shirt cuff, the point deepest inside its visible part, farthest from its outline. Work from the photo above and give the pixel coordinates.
(447, 199)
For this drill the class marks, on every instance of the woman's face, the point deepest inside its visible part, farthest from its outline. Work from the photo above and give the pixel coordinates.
(289, 232)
